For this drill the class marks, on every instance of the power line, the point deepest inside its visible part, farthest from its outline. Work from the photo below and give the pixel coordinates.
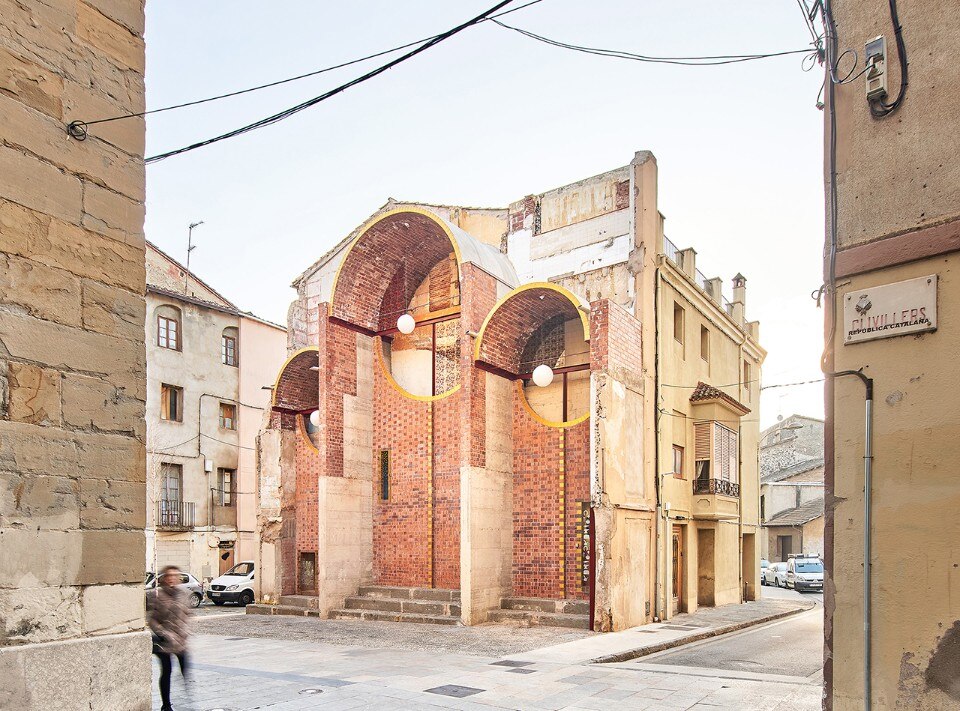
(287, 113)
(696, 61)
(745, 382)
(78, 129)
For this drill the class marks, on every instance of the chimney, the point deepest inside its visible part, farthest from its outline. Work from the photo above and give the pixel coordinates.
(688, 261)
(715, 288)
(740, 289)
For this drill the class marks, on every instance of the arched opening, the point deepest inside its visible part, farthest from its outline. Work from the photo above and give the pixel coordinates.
(541, 325)
(168, 325)
(295, 399)
(400, 282)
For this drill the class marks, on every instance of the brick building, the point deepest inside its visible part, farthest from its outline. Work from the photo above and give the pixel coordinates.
(473, 421)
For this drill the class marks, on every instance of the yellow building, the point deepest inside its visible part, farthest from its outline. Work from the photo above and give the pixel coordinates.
(892, 630)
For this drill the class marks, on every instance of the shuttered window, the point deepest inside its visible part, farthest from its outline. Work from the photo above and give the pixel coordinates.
(716, 452)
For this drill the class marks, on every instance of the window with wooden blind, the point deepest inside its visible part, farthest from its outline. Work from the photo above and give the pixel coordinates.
(171, 403)
(717, 456)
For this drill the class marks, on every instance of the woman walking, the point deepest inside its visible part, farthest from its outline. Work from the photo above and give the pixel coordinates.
(167, 615)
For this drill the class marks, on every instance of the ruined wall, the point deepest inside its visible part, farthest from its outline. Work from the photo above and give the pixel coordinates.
(72, 364)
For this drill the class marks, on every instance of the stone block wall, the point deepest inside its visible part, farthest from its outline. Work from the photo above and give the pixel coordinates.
(72, 369)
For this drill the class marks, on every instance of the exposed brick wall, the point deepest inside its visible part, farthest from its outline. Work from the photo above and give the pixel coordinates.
(537, 545)
(297, 385)
(615, 338)
(307, 516)
(479, 296)
(401, 524)
(623, 195)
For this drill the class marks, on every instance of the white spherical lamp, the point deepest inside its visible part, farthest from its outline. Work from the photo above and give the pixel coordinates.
(315, 418)
(542, 375)
(406, 324)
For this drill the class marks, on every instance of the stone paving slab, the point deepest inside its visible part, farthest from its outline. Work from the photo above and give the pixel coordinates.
(682, 629)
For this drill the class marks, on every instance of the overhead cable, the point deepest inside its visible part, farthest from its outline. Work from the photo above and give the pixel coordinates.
(78, 129)
(694, 61)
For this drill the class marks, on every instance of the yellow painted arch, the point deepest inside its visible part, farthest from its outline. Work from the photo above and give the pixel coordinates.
(584, 320)
(543, 420)
(288, 361)
(380, 218)
(399, 388)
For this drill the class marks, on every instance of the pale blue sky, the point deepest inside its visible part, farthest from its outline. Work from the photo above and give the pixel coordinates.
(484, 119)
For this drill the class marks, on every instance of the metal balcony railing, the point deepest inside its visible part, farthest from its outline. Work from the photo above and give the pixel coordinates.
(175, 515)
(672, 253)
(716, 486)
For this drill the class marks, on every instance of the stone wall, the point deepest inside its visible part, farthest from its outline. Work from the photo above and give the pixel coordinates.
(72, 363)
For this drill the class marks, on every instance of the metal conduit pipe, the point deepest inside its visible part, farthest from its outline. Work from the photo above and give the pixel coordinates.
(867, 531)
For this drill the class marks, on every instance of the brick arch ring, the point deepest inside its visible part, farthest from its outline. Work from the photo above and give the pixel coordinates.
(296, 391)
(407, 240)
(510, 324)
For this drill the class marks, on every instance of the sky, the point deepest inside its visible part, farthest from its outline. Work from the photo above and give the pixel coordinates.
(482, 120)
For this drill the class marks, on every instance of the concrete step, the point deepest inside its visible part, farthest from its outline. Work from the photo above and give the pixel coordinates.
(393, 591)
(395, 604)
(311, 601)
(536, 604)
(294, 610)
(382, 616)
(529, 618)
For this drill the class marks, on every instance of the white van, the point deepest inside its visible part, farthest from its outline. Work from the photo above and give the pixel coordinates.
(236, 585)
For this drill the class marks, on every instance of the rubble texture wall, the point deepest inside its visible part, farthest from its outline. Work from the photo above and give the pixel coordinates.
(72, 364)
(898, 189)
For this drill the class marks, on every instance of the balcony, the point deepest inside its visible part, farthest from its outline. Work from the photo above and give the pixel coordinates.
(715, 499)
(224, 516)
(175, 515)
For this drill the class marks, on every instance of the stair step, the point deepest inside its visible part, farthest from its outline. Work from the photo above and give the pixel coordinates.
(391, 604)
(294, 610)
(392, 591)
(536, 604)
(381, 616)
(311, 601)
(543, 619)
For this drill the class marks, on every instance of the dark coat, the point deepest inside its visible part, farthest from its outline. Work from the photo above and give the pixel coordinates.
(169, 618)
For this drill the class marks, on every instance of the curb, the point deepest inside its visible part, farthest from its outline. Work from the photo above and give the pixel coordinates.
(697, 637)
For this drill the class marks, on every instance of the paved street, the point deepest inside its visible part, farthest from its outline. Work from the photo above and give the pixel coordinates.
(288, 664)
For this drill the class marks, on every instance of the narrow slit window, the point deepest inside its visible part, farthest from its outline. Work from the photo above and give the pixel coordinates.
(747, 380)
(705, 343)
(384, 474)
(225, 482)
(678, 461)
(678, 319)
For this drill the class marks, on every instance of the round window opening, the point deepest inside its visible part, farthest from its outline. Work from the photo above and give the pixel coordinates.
(421, 353)
(557, 348)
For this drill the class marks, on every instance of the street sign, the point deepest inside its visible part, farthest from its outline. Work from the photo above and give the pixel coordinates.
(899, 309)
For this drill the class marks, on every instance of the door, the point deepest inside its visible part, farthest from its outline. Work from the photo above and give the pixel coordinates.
(786, 547)
(307, 582)
(677, 566)
(226, 560)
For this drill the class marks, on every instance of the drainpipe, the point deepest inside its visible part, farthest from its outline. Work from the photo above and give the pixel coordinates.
(658, 568)
(867, 529)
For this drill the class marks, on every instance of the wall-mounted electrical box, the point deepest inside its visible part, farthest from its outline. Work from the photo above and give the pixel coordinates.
(875, 62)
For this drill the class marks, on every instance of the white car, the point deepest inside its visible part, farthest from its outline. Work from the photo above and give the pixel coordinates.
(775, 574)
(236, 585)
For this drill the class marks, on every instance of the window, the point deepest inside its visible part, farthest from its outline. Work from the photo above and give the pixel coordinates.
(678, 461)
(225, 480)
(228, 416)
(168, 331)
(678, 315)
(171, 403)
(171, 482)
(705, 343)
(716, 452)
(747, 380)
(228, 347)
(384, 474)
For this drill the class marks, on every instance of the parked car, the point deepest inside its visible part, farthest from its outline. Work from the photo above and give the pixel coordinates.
(805, 573)
(764, 564)
(187, 581)
(236, 585)
(775, 574)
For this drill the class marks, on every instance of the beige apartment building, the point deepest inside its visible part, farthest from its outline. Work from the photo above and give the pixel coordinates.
(621, 490)
(892, 256)
(208, 367)
(72, 360)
